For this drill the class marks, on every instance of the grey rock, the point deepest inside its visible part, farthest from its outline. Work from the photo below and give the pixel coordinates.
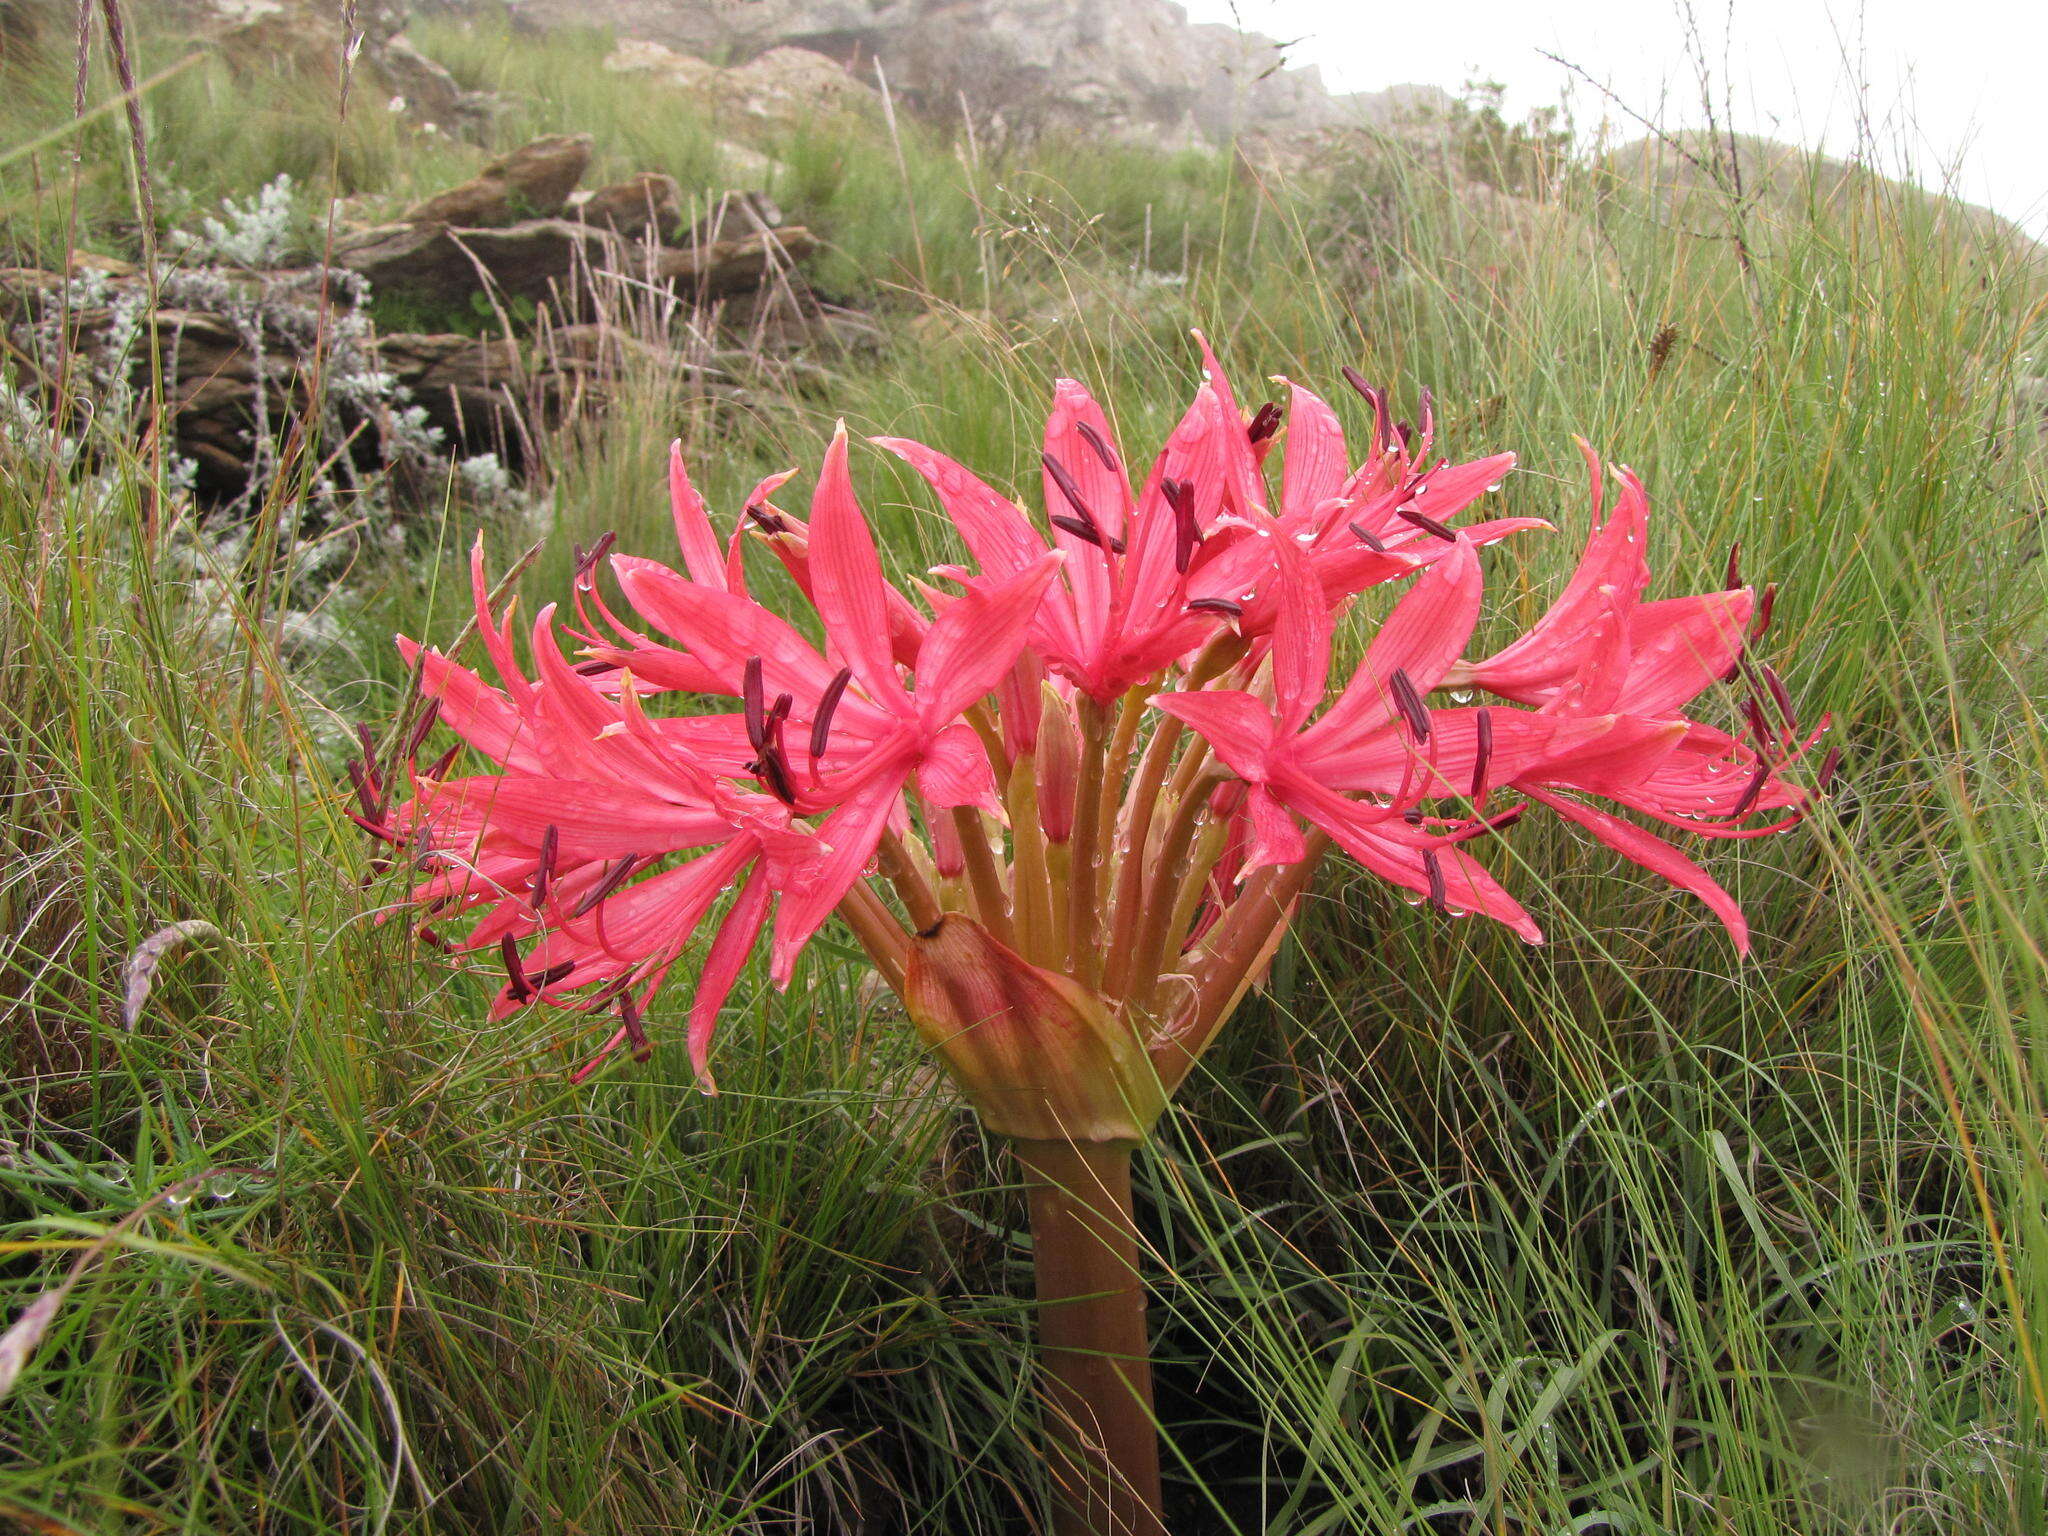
(649, 205)
(532, 182)
(1135, 67)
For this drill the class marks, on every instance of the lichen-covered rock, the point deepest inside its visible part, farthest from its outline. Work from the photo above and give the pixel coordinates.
(778, 85)
(532, 182)
(1138, 68)
(439, 266)
(647, 206)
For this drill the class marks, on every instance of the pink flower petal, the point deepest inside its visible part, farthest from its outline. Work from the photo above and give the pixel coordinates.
(1237, 725)
(722, 967)
(846, 579)
(702, 557)
(1655, 855)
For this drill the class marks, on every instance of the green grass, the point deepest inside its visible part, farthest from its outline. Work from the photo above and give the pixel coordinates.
(1622, 1234)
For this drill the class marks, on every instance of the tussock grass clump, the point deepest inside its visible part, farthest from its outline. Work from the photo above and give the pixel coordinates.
(1622, 1234)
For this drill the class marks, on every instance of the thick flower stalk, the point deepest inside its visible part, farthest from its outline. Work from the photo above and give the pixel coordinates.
(1067, 796)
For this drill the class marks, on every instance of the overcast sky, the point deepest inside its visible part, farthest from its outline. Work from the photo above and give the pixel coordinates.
(1958, 86)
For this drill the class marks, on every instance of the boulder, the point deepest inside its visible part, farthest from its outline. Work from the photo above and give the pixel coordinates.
(305, 38)
(735, 266)
(647, 206)
(422, 88)
(473, 388)
(781, 85)
(533, 182)
(440, 265)
(733, 217)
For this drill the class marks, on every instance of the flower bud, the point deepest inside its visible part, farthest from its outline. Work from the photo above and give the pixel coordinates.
(1059, 765)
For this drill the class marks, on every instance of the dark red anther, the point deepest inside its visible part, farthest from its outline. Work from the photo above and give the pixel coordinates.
(1369, 539)
(1829, 767)
(432, 939)
(544, 866)
(1180, 498)
(1504, 820)
(772, 764)
(1483, 826)
(1752, 791)
(766, 521)
(1407, 433)
(1734, 576)
(586, 559)
(609, 992)
(1426, 523)
(551, 975)
(1094, 440)
(1413, 816)
(1264, 423)
(1428, 413)
(774, 773)
(1780, 695)
(751, 700)
(367, 740)
(1222, 605)
(1764, 605)
(1434, 868)
(595, 668)
(1482, 758)
(636, 1032)
(441, 764)
(1087, 532)
(828, 703)
(613, 878)
(363, 781)
(417, 736)
(1409, 702)
(1071, 489)
(1377, 399)
(376, 829)
(515, 971)
(1759, 727)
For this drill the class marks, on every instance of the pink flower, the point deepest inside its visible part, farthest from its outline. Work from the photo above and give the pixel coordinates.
(1616, 674)
(1107, 756)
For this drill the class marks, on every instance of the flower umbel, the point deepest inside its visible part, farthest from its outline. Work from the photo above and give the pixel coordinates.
(1117, 735)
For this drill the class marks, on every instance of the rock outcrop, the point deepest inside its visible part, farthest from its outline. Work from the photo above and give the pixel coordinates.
(1137, 68)
(779, 85)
